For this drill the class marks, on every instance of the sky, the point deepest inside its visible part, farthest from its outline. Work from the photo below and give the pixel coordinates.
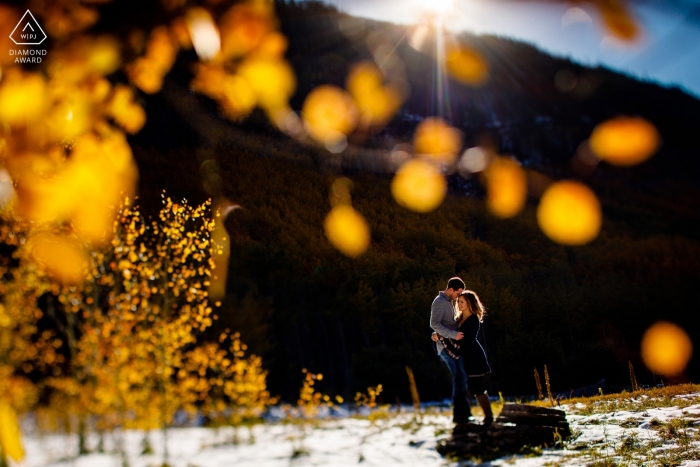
(668, 51)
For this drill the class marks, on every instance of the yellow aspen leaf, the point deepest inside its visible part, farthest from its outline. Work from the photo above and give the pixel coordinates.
(10, 436)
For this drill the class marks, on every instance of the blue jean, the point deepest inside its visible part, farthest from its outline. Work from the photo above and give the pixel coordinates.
(461, 408)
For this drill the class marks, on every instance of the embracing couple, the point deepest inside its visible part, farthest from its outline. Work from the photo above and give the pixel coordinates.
(456, 316)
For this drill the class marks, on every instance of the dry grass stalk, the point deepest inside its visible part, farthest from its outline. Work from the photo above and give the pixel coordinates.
(549, 388)
(633, 377)
(414, 390)
(538, 382)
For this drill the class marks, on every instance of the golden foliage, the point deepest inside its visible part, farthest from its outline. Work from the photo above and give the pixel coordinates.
(10, 437)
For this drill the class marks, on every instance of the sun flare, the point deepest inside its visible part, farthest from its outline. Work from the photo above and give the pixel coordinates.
(438, 7)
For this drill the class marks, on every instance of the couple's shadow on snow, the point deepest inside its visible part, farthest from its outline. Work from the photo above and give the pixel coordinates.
(518, 429)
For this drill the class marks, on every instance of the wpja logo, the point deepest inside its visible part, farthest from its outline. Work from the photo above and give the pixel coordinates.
(28, 32)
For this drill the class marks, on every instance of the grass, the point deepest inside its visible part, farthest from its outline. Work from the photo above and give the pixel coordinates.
(641, 399)
(666, 443)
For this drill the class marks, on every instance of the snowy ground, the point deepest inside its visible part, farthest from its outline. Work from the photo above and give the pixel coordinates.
(394, 440)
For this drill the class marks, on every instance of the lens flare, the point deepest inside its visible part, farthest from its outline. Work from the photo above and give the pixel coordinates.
(419, 186)
(666, 349)
(347, 231)
(569, 213)
(625, 141)
(506, 187)
(438, 141)
(329, 114)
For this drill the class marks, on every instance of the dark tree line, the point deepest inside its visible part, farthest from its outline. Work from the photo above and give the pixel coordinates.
(301, 304)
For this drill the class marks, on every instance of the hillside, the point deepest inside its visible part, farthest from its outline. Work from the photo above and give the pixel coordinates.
(301, 304)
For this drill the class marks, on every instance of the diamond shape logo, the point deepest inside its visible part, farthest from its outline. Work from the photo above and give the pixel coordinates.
(28, 31)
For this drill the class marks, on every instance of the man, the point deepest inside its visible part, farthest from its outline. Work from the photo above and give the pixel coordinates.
(442, 320)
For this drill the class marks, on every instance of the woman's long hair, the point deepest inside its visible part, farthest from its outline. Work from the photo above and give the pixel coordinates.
(475, 305)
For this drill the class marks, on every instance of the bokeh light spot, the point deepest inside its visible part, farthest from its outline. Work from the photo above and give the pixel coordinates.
(473, 160)
(347, 230)
(272, 80)
(438, 141)
(466, 65)
(569, 213)
(625, 141)
(329, 113)
(376, 103)
(506, 187)
(666, 349)
(419, 186)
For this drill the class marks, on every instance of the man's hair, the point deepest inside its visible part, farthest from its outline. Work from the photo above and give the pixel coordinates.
(455, 283)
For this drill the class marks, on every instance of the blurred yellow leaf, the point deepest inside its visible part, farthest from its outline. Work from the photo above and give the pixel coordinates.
(272, 80)
(147, 72)
(68, 119)
(569, 213)
(238, 97)
(63, 257)
(666, 349)
(273, 45)
(466, 65)
(10, 436)
(243, 27)
(437, 140)
(619, 20)
(22, 97)
(506, 187)
(419, 186)
(347, 230)
(103, 54)
(329, 114)
(625, 141)
(127, 113)
(376, 103)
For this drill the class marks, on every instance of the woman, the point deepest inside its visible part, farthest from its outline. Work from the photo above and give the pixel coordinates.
(470, 315)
